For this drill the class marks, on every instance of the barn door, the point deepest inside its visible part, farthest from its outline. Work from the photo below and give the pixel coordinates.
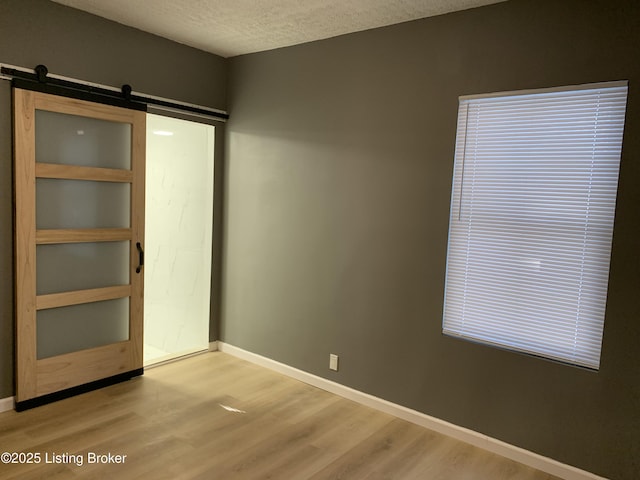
(79, 239)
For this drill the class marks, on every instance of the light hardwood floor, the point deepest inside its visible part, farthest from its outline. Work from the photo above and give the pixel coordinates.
(213, 417)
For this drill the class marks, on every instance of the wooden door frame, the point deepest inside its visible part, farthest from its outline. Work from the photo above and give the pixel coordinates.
(45, 380)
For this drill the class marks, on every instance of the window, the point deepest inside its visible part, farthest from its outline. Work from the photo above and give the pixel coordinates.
(532, 208)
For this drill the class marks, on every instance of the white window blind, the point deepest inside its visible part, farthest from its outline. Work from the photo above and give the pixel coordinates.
(532, 209)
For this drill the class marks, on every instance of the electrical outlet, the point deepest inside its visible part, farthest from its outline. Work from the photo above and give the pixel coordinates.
(333, 362)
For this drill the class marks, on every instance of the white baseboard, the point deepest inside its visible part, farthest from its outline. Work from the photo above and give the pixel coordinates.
(485, 442)
(213, 346)
(6, 404)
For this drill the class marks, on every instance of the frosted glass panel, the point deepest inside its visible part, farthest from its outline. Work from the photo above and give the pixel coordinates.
(69, 329)
(80, 266)
(75, 140)
(81, 204)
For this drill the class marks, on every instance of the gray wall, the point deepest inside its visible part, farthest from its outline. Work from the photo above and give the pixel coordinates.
(79, 45)
(338, 176)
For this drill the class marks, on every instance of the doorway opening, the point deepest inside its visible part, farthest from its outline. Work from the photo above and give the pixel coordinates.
(178, 236)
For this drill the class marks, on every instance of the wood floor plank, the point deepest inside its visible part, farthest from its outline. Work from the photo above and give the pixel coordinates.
(213, 416)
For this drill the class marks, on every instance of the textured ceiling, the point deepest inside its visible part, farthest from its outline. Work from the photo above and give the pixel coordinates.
(235, 27)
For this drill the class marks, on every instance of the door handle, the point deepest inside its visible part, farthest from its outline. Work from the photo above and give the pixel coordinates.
(140, 257)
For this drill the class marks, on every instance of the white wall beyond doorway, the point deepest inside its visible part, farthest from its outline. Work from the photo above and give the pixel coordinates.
(178, 230)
